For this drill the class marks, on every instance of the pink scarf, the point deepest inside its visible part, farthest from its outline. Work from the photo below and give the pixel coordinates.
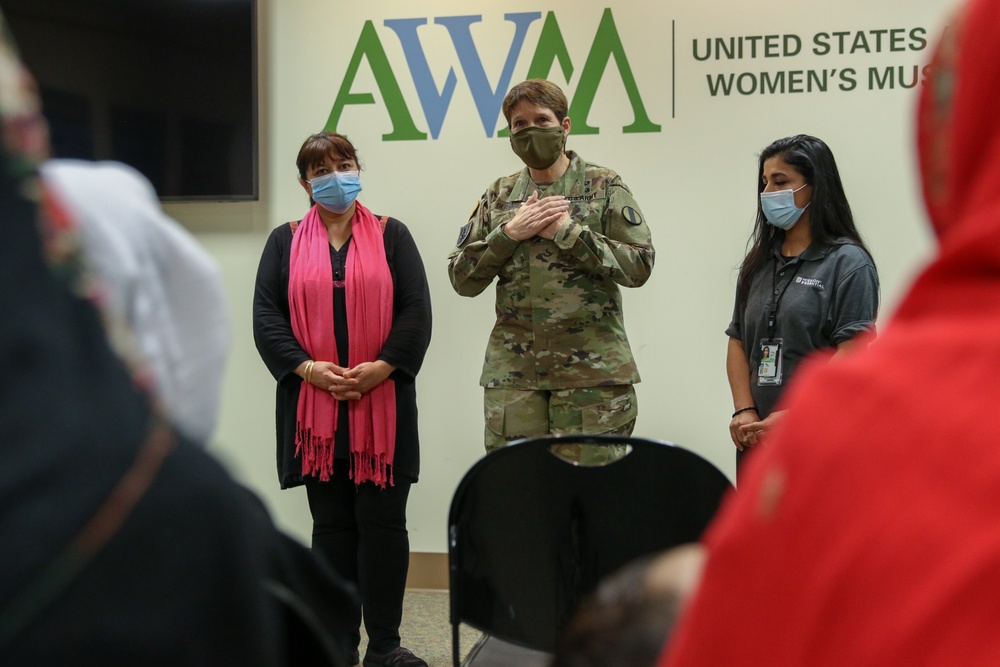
(369, 295)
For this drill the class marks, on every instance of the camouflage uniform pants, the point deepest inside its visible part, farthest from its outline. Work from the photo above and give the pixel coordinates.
(512, 414)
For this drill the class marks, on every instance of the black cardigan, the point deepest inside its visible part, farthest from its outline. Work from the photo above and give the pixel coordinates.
(404, 348)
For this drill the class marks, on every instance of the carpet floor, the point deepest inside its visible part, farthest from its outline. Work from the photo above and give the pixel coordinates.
(426, 630)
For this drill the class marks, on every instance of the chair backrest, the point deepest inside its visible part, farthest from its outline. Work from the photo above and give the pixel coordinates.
(530, 534)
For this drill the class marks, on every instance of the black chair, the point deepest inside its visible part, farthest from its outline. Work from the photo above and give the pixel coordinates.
(529, 535)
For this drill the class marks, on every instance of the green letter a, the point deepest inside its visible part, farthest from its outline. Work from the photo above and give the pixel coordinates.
(607, 43)
(551, 47)
(370, 47)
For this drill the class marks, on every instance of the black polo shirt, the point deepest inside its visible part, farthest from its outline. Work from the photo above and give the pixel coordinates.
(825, 296)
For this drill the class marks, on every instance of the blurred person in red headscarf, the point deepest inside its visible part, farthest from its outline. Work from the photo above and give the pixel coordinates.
(878, 542)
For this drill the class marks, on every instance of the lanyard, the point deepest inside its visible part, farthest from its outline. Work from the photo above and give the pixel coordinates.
(772, 313)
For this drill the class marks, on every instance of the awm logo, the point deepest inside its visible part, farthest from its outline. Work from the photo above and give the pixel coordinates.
(551, 48)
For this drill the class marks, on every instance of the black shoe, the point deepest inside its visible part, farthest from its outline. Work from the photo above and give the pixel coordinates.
(355, 658)
(397, 657)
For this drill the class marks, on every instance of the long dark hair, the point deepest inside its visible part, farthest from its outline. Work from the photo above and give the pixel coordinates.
(830, 214)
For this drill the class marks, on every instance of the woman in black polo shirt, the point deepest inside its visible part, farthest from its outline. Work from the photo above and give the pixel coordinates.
(808, 282)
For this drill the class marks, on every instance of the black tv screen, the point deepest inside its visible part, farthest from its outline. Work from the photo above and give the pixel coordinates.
(167, 86)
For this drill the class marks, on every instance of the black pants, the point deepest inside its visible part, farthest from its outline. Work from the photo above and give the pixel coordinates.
(361, 531)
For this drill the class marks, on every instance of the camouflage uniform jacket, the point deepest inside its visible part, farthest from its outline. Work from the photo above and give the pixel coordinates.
(559, 314)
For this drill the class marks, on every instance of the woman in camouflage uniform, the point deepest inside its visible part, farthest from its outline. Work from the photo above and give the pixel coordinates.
(560, 236)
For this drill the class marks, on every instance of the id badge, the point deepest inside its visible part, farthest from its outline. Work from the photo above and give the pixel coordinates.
(769, 369)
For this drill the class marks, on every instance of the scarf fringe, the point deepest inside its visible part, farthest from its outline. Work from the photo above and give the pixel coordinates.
(316, 453)
(374, 469)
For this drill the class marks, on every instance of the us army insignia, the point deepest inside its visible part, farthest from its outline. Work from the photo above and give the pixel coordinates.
(463, 233)
(631, 216)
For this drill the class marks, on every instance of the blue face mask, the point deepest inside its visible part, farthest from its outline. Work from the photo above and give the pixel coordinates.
(779, 208)
(337, 190)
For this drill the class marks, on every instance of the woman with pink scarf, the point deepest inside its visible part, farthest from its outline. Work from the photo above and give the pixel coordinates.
(342, 319)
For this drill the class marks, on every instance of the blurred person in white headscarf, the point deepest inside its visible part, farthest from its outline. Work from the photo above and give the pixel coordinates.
(123, 543)
(162, 289)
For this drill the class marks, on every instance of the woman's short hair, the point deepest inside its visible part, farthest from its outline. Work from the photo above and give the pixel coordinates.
(321, 145)
(538, 92)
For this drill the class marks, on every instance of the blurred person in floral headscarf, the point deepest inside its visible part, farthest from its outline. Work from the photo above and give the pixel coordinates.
(878, 544)
(122, 542)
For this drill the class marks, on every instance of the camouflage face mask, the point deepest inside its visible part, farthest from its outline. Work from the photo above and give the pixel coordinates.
(539, 147)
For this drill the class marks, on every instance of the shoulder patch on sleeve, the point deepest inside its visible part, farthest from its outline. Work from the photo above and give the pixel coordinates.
(476, 209)
(463, 233)
(631, 216)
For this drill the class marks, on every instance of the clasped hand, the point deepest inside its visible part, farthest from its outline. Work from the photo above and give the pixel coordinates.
(349, 384)
(746, 429)
(538, 217)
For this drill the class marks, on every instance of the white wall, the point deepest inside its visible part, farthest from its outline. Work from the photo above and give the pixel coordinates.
(694, 181)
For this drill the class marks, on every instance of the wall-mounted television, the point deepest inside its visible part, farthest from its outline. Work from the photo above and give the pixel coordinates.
(167, 86)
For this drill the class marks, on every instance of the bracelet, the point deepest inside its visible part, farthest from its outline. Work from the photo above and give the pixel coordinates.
(741, 411)
(309, 371)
